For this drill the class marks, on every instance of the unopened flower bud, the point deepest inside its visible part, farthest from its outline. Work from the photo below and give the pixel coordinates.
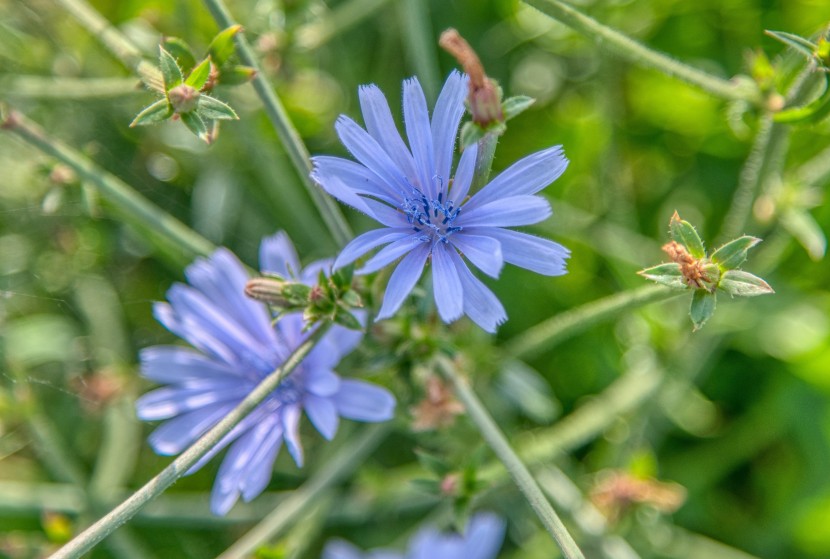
(277, 292)
(183, 98)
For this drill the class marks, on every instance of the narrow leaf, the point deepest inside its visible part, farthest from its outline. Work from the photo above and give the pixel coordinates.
(221, 48)
(811, 113)
(158, 111)
(516, 105)
(199, 75)
(196, 125)
(800, 44)
(348, 320)
(733, 254)
(702, 308)
(743, 284)
(212, 108)
(181, 52)
(169, 69)
(683, 233)
(668, 274)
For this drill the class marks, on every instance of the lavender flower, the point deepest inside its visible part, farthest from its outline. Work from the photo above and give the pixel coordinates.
(236, 346)
(481, 540)
(427, 214)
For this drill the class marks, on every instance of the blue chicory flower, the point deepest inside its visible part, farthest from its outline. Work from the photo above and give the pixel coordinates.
(236, 346)
(426, 211)
(481, 539)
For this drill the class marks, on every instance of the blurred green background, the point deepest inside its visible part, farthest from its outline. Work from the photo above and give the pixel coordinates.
(737, 413)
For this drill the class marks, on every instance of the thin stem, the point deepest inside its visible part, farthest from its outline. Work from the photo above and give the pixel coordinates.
(342, 17)
(553, 331)
(420, 42)
(112, 39)
(518, 471)
(130, 204)
(292, 508)
(87, 539)
(42, 87)
(287, 134)
(626, 47)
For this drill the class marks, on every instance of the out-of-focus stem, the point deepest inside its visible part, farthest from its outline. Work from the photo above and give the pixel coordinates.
(342, 17)
(288, 135)
(496, 440)
(40, 87)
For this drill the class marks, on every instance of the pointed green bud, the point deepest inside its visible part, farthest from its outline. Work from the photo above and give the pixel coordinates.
(221, 47)
(684, 233)
(199, 76)
(702, 308)
(514, 106)
(734, 253)
(158, 111)
(180, 50)
(170, 70)
(184, 98)
(668, 274)
(212, 108)
(235, 75)
(743, 284)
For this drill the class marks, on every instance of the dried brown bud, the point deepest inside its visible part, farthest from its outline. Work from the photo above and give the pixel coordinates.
(484, 97)
(437, 409)
(692, 269)
(617, 491)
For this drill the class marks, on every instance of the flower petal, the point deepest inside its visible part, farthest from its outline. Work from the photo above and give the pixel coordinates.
(484, 252)
(364, 401)
(278, 256)
(171, 364)
(366, 150)
(357, 177)
(416, 118)
(177, 434)
(170, 401)
(291, 424)
(446, 285)
(261, 466)
(445, 118)
(391, 252)
(480, 304)
(484, 536)
(527, 251)
(506, 212)
(403, 279)
(464, 174)
(322, 413)
(526, 176)
(381, 126)
(321, 382)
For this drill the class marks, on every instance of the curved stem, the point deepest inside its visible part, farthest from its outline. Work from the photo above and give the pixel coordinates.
(553, 331)
(130, 204)
(518, 471)
(638, 53)
(87, 539)
(287, 134)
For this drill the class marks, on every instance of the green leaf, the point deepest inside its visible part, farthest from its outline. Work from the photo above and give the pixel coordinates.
(235, 75)
(514, 106)
(199, 75)
(811, 113)
(348, 320)
(702, 308)
(196, 125)
(158, 111)
(181, 52)
(432, 463)
(169, 70)
(342, 278)
(668, 274)
(743, 284)
(351, 299)
(213, 109)
(221, 47)
(800, 44)
(733, 254)
(470, 134)
(683, 233)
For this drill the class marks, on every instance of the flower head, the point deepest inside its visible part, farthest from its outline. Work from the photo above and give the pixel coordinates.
(235, 347)
(481, 539)
(425, 209)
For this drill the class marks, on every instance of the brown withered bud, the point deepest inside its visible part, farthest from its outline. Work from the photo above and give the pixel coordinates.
(617, 491)
(484, 97)
(437, 409)
(691, 268)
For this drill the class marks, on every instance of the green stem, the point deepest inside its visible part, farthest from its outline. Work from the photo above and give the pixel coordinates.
(130, 204)
(626, 47)
(420, 42)
(179, 467)
(287, 134)
(112, 39)
(64, 89)
(547, 334)
(484, 161)
(342, 17)
(518, 471)
(293, 507)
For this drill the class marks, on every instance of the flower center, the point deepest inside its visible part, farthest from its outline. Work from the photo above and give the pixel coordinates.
(433, 218)
(288, 392)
